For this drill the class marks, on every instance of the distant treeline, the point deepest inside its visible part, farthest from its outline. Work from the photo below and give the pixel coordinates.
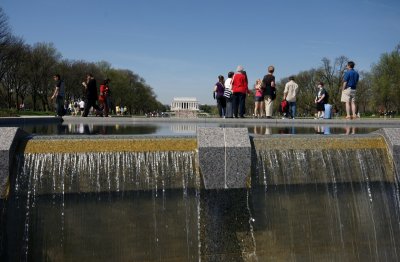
(26, 77)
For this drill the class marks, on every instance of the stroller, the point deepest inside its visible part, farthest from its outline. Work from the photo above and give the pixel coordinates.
(284, 108)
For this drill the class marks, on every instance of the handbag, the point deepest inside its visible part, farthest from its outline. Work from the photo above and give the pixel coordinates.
(227, 93)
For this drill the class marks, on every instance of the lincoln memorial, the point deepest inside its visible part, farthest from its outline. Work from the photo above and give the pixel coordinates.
(185, 106)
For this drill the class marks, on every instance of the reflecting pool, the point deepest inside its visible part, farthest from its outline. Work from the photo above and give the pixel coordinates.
(189, 129)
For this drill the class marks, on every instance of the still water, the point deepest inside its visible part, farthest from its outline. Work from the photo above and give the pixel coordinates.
(189, 129)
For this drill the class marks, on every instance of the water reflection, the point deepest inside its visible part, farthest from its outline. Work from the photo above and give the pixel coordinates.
(350, 130)
(317, 129)
(326, 130)
(181, 129)
(184, 128)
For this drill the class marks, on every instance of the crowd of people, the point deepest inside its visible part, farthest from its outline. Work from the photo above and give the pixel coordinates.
(99, 103)
(231, 93)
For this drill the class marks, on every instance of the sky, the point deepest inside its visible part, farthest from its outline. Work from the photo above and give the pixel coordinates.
(181, 46)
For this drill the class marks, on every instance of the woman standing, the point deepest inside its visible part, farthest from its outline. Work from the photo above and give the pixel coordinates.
(258, 99)
(239, 89)
(219, 89)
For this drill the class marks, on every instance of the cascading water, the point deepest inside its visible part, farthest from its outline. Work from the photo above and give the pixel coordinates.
(92, 206)
(333, 204)
(305, 204)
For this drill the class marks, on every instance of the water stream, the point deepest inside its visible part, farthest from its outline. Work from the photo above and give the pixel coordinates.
(138, 206)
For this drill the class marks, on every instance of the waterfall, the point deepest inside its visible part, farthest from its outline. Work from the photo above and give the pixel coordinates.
(306, 203)
(135, 201)
(304, 166)
(56, 173)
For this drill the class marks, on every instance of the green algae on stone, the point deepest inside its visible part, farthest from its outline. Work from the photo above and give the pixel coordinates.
(109, 145)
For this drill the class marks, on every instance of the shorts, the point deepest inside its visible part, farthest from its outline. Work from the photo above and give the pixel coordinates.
(320, 106)
(348, 95)
(259, 99)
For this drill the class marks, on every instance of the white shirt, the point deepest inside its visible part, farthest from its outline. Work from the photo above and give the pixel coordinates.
(228, 84)
(291, 90)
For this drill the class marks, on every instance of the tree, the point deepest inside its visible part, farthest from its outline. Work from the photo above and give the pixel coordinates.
(385, 81)
(14, 80)
(5, 42)
(332, 76)
(364, 93)
(42, 64)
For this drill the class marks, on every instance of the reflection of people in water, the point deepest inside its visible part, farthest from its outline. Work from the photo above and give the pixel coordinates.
(350, 130)
(258, 130)
(319, 130)
(262, 130)
(268, 130)
(323, 130)
(287, 130)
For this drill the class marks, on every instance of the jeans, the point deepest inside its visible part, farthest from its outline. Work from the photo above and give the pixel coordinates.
(292, 109)
(221, 104)
(229, 109)
(238, 102)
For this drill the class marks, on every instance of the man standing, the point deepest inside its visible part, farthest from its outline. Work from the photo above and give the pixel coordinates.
(350, 81)
(59, 93)
(91, 95)
(268, 86)
(289, 94)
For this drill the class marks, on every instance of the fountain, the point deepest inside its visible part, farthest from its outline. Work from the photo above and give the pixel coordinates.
(216, 197)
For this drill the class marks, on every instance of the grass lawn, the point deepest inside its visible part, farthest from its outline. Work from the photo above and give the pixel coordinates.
(16, 113)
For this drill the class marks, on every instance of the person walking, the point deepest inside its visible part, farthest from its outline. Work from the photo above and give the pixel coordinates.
(59, 93)
(258, 99)
(228, 95)
(239, 89)
(289, 94)
(104, 98)
(350, 80)
(91, 95)
(219, 90)
(268, 86)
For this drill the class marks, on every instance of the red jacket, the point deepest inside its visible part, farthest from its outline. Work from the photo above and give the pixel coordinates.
(240, 84)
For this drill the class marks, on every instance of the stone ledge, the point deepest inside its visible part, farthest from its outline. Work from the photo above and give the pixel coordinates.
(9, 138)
(392, 137)
(224, 157)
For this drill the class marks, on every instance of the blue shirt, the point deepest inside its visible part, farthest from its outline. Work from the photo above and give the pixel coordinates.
(351, 77)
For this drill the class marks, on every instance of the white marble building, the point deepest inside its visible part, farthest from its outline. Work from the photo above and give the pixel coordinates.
(185, 106)
(185, 103)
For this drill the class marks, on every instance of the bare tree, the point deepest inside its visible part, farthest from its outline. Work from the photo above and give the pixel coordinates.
(14, 81)
(332, 76)
(5, 41)
(43, 60)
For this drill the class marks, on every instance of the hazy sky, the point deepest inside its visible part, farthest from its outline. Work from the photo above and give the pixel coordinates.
(180, 47)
